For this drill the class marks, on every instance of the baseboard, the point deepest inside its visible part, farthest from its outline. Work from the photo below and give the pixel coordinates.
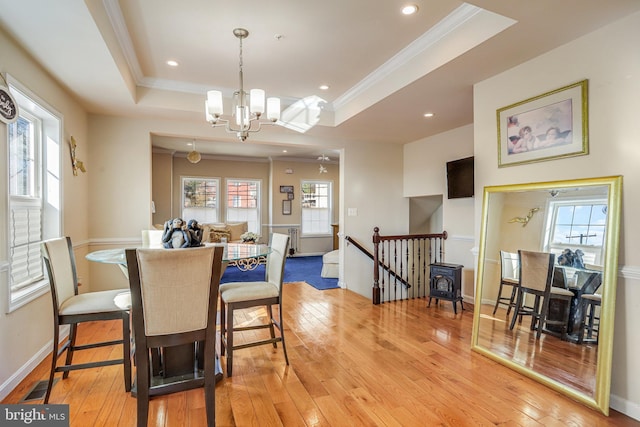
(14, 380)
(624, 406)
(17, 377)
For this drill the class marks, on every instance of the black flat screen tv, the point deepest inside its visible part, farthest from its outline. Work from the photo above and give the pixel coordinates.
(460, 178)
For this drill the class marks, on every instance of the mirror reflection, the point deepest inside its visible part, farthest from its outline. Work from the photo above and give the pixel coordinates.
(546, 276)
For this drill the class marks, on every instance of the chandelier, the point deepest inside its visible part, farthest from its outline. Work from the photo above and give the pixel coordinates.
(247, 108)
(194, 156)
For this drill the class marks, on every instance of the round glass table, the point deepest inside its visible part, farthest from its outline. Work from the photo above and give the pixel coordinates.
(178, 361)
(245, 255)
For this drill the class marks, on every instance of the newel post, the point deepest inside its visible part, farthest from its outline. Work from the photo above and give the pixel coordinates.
(376, 270)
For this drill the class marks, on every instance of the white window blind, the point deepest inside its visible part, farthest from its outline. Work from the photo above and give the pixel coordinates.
(25, 237)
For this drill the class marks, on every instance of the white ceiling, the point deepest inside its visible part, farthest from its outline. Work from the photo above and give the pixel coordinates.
(384, 69)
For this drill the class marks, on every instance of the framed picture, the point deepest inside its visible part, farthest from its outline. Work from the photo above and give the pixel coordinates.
(289, 196)
(550, 126)
(286, 207)
(286, 188)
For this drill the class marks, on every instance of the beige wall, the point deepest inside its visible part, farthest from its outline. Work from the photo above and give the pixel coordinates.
(609, 59)
(272, 174)
(162, 187)
(303, 171)
(371, 187)
(26, 333)
(424, 174)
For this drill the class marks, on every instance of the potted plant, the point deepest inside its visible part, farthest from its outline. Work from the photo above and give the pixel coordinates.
(249, 237)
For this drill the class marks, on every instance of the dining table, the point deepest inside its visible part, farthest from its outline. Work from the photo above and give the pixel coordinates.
(177, 363)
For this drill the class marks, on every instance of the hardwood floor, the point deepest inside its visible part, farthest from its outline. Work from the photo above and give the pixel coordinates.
(571, 364)
(352, 363)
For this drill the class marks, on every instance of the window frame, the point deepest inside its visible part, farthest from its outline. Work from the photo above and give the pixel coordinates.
(329, 208)
(182, 197)
(48, 183)
(550, 222)
(258, 182)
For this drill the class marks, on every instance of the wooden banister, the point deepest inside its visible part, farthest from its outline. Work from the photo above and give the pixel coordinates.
(370, 255)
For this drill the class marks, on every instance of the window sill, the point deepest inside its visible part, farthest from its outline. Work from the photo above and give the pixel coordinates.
(27, 294)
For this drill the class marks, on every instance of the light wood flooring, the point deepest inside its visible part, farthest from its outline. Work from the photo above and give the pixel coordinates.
(352, 364)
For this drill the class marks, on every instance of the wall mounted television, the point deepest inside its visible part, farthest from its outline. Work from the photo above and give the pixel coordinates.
(460, 178)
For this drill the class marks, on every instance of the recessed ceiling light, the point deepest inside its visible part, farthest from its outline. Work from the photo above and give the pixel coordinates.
(409, 9)
(323, 87)
(172, 63)
(284, 151)
(428, 114)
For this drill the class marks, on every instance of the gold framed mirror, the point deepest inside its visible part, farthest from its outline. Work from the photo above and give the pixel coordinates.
(573, 353)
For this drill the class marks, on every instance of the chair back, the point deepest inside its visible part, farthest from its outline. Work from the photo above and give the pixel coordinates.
(152, 238)
(536, 270)
(61, 269)
(174, 290)
(509, 265)
(559, 278)
(279, 244)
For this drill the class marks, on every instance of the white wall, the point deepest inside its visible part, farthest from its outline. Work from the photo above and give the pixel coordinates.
(609, 59)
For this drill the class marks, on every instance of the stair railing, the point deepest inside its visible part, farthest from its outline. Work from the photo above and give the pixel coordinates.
(401, 264)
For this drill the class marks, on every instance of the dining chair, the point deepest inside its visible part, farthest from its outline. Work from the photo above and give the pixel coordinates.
(509, 271)
(72, 308)
(152, 238)
(536, 276)
(590, 320)
(559, 277)
(174, 298)
(241, 295)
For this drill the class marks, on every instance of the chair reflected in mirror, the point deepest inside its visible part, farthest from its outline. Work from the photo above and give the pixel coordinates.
(590, 321)
(536, 278)
(509, 277)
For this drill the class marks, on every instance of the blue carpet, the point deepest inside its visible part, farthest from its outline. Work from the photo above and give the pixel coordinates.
(296, 269)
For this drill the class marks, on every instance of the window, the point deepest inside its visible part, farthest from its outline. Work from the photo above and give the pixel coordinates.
(34, 193)
(243, 202)
(577, 224)
(200, 199)
(316, 207)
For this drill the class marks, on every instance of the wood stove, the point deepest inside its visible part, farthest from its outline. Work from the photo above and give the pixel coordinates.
(446, 283)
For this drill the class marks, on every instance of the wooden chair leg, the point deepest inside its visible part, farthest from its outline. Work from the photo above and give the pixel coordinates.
(142, 384)
(209, 388)
(126, 350)
(73, 329)
(495, 307)
(511, 300)
(271, 328)
(223, 328)
(516, 312)
(54, 359)
(281, 327)
(229, 334)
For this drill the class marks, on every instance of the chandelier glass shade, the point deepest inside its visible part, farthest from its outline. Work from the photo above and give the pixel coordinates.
(248, 108)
